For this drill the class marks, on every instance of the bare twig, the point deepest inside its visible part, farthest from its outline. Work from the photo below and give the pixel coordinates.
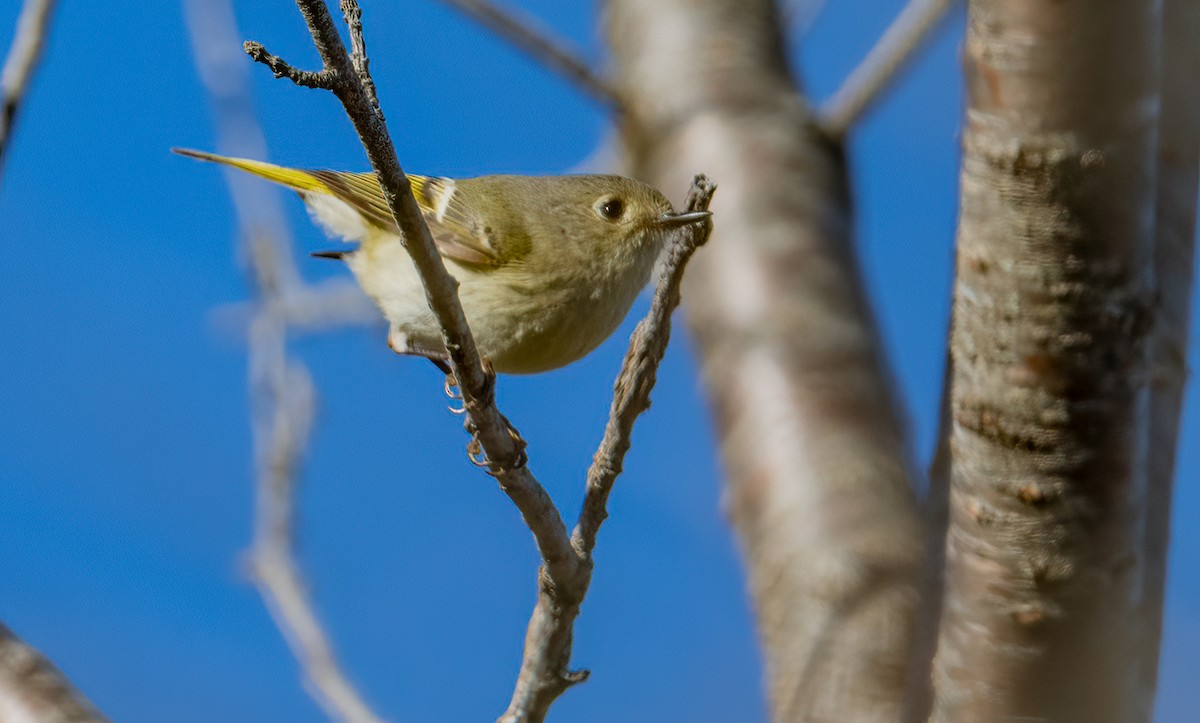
(527, 34)
(28, 41)
(631, 393)
(280, 388)
(306, 78)
(893, 51)
(544, 670)
(502, 447)
(32, 689)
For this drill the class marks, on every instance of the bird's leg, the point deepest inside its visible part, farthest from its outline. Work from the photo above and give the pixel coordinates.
(400, 343)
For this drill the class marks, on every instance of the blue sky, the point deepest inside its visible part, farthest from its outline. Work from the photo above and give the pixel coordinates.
(125, 470)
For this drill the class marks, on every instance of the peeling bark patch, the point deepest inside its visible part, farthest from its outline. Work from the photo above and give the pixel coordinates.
(1034, 495)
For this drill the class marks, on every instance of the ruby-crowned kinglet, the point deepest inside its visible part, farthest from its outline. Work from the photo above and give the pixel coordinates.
(548, 266)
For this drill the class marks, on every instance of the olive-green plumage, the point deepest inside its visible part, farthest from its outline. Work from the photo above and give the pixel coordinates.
(548, 266)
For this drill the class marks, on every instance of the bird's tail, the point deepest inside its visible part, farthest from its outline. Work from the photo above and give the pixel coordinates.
(359, 191)
(295, 179)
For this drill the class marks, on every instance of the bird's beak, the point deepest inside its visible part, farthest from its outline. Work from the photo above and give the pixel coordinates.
(674, 220)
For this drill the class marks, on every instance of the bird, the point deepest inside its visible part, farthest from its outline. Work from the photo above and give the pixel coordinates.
(548, 266)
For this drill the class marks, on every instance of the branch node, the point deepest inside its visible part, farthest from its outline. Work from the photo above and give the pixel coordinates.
(352, 14)
(307, 78)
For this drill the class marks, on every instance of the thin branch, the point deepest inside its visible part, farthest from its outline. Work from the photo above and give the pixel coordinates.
(280, 388)
(281, 69)
(502, 447)
(544, 670)
(32, 689)
(528, 35)
(631, 393)
(358, 53)
(894, 50)
(29, 40)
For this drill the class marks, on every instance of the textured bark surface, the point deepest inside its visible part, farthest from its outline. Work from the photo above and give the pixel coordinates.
(1052, 311)
(1174, 262)
(817, 481)
(33, 690)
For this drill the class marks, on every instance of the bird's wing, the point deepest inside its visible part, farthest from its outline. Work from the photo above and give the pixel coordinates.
(457, 231)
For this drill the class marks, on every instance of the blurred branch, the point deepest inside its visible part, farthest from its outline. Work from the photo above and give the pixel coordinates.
(527, 34)
(544, 670)
(281, 389)
(32, 689)
(800, 15)
(29, 39)
(816, 467)
(872, 77)
(322, 306)
(329, 304)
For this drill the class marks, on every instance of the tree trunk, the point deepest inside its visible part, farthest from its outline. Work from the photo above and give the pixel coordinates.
(815, 458)
(1053, 306)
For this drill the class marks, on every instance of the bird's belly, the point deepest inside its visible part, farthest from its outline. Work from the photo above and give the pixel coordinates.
(530, 335)
(519, 330)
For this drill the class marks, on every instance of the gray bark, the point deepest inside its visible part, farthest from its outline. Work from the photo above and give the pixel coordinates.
(32, 689)
(817, 477)
(1052, 311)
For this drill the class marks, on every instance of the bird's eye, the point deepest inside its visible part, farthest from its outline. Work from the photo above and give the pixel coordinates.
(611, 208)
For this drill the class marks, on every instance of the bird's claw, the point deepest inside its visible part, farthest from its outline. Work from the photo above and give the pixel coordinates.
(475, 454)
(450, 387)
(479, 458)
